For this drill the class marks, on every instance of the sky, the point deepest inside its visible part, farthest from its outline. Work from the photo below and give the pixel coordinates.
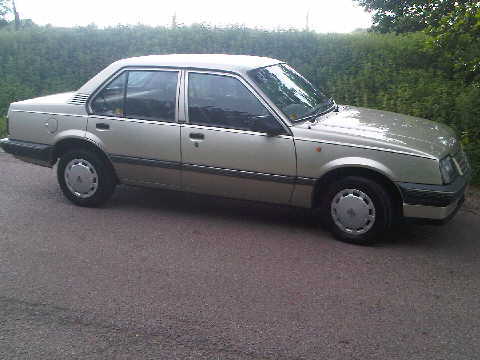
(324, 15)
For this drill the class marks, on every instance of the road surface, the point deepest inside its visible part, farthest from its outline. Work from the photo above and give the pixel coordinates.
(165, 275)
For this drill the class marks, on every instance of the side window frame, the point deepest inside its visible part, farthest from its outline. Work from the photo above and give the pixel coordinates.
(106, 83)
(249, 88)
(127, 70)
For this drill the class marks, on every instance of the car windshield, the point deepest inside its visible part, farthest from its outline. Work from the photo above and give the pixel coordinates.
(291, 92)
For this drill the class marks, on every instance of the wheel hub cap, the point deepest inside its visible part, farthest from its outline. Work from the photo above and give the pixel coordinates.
(81, 178)
(353, 211)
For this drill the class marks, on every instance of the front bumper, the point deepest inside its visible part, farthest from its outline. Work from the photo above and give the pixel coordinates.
(39, 154)
(435, 202)
(438, 213)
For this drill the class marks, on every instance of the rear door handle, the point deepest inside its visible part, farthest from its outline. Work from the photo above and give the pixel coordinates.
(197, 136)
(102, 126)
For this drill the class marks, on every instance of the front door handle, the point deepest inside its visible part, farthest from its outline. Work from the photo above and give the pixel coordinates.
(102, 126)
(197, 136)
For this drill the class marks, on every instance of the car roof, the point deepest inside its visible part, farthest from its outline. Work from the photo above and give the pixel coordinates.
(224, 62)
(221, 62)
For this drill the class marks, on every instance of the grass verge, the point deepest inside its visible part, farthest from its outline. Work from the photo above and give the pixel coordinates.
(3, 127)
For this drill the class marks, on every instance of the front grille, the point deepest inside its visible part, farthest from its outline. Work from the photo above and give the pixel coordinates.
(462, 161)
(79, 99)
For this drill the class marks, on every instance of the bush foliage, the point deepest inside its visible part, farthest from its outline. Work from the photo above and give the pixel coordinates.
(3, 127)
(402, 73)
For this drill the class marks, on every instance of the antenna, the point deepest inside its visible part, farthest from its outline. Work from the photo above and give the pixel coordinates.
(307, 27)
(17, 17)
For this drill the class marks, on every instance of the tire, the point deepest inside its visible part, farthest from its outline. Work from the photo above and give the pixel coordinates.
(357, 210)
(85, 178)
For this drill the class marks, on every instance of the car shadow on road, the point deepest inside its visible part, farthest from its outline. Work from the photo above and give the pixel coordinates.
(138, 198)
(457, 237)
(403, 235)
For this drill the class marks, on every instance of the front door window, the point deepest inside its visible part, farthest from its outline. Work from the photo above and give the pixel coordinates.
(223, 101)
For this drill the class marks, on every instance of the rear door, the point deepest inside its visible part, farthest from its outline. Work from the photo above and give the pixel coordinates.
(134, 117)
(224, 152)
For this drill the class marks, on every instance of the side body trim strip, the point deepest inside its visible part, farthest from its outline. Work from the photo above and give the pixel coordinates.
(145, 162)
(285, 179)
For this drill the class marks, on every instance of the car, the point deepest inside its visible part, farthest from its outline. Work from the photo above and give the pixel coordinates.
(242, 127)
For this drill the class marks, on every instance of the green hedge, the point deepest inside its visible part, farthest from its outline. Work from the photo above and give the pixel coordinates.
(401, 73)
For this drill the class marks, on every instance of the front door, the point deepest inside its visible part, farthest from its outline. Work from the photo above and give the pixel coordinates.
(135, 119)
(224, 151)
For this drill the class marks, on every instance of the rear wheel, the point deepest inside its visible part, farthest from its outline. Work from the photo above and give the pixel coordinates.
(357, 210)
(85, 178)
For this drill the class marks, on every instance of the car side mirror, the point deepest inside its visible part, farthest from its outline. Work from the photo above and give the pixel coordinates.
(267, 124)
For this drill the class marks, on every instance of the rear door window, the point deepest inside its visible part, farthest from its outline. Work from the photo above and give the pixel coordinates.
(151, 95)
(139, 94)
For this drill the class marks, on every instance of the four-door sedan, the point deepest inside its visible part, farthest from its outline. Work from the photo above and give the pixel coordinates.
(243, 127)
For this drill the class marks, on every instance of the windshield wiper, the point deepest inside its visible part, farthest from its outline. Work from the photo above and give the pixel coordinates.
(316, 112)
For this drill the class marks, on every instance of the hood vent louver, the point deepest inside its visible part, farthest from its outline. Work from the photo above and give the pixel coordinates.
(79, 99)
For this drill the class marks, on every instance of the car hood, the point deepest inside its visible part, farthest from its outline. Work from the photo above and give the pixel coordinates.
(376, 128)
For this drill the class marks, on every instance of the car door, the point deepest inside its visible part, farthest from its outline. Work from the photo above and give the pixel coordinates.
(134, 117)
(225, 148)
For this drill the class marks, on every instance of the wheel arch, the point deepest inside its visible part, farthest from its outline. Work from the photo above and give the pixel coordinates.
(66, 144)
(379, 177)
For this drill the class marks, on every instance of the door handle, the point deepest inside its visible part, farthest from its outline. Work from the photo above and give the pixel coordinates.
(102, 126)
(197, 136)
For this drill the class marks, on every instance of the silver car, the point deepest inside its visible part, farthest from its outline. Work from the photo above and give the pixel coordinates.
(243, 127)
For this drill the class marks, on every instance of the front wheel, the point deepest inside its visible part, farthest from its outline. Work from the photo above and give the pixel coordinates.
(84, 178)
(357, 210)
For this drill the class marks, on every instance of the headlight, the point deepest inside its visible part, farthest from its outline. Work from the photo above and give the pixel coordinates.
(448, 169)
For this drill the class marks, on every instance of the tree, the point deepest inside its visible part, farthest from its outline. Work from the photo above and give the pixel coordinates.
(457, 38)
(4, 10)
(402, 16)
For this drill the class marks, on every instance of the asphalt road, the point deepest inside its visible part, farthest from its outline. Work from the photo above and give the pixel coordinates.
(164, 275)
